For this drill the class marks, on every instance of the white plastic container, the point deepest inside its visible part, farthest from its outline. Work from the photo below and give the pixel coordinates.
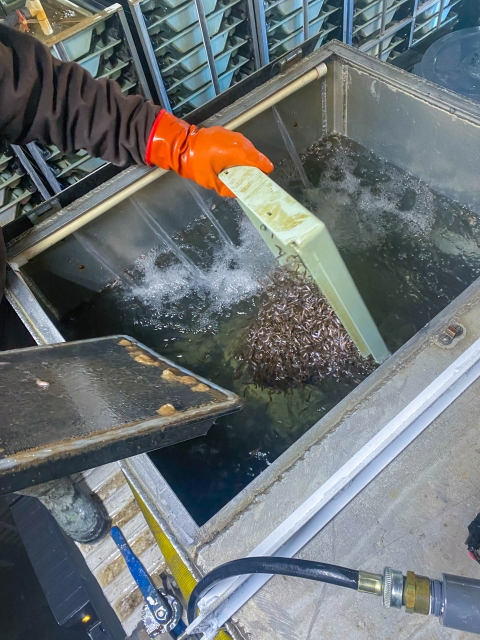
(173, 3)
(431, 24)
(370, 10)
(193, 37)
(295, 39)
(388, 44)
(79, 45)
(198, 57)
(4, 160)
(288, 6)
(187, 15)
(433, 10)
(198, 78)
(91, 65)
(373, 51)
(91, 62)
(375, 25)
(224, 81)
(296, 22)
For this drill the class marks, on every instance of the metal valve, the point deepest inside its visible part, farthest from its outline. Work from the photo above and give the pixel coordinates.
(162, 612)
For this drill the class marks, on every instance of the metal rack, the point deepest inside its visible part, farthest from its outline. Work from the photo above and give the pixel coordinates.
(102, 44)
(196, 49)
(283, 25)
(21, 188)
(386, 28)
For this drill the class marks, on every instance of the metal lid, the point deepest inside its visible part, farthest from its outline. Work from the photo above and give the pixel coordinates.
(454, 62)
(73, 406)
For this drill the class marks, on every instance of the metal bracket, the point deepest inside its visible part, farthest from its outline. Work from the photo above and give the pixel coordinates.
(289, 60)
(452, 333)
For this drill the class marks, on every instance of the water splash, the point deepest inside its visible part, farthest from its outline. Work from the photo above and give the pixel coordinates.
(174, 298)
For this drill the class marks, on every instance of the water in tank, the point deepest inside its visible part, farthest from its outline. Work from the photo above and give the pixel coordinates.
(410, 250)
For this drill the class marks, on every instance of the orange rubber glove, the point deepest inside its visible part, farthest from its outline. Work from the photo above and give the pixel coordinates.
(200, 154)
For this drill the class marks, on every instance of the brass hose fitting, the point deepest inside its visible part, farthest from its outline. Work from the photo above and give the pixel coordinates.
(371, 583)
(412, 592)
(416, 594)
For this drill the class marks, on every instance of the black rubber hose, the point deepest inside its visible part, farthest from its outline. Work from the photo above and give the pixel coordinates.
(330, 573)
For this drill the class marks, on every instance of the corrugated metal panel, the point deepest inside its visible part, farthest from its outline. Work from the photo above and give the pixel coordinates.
(104, 559)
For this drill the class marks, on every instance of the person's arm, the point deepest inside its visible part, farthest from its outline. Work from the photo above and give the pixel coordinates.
(60, 103)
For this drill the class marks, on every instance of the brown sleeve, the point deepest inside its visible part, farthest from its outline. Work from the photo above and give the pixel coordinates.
(60, 103)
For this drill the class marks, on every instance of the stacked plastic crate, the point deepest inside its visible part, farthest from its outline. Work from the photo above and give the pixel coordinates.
(377, 22)
(283, 25)
(386, 28)
(431, 16)
(195, 49)
(101, 44)
(19, 192)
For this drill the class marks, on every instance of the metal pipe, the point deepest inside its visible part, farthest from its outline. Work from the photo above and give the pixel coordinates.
(136, 59)
(305, 19)
(144, 36)
(21, 259)
(20, 153)
(202, 19)
(261, 31)
(45, 168)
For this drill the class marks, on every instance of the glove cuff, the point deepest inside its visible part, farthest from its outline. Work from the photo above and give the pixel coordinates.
(151, 137)
(168, 141)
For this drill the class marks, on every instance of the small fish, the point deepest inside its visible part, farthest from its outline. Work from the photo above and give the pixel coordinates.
(297, 338)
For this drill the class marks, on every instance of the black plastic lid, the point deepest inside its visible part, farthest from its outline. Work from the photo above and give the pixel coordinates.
(454, 62)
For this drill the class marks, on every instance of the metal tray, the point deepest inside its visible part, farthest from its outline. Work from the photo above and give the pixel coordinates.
(75, 405)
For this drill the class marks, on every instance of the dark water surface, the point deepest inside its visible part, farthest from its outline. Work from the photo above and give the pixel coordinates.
(410, 252)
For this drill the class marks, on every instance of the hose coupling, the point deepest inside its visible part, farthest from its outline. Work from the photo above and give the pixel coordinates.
(371, 583)
(416, 594)
(412, 592)
(392, 588)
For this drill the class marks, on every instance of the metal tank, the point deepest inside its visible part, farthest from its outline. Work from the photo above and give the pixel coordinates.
(416, 511)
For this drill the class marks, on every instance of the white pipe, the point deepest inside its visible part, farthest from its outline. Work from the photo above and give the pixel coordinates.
(74, 225)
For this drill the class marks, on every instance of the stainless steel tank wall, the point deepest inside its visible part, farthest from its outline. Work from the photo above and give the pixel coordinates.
(410, 127)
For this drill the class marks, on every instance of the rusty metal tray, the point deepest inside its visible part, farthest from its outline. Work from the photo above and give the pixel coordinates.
(76, 405)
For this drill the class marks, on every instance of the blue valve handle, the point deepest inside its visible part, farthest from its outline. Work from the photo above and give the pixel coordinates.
(153, 598)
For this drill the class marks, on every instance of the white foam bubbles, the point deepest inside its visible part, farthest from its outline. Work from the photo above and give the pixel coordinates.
(176, 296)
